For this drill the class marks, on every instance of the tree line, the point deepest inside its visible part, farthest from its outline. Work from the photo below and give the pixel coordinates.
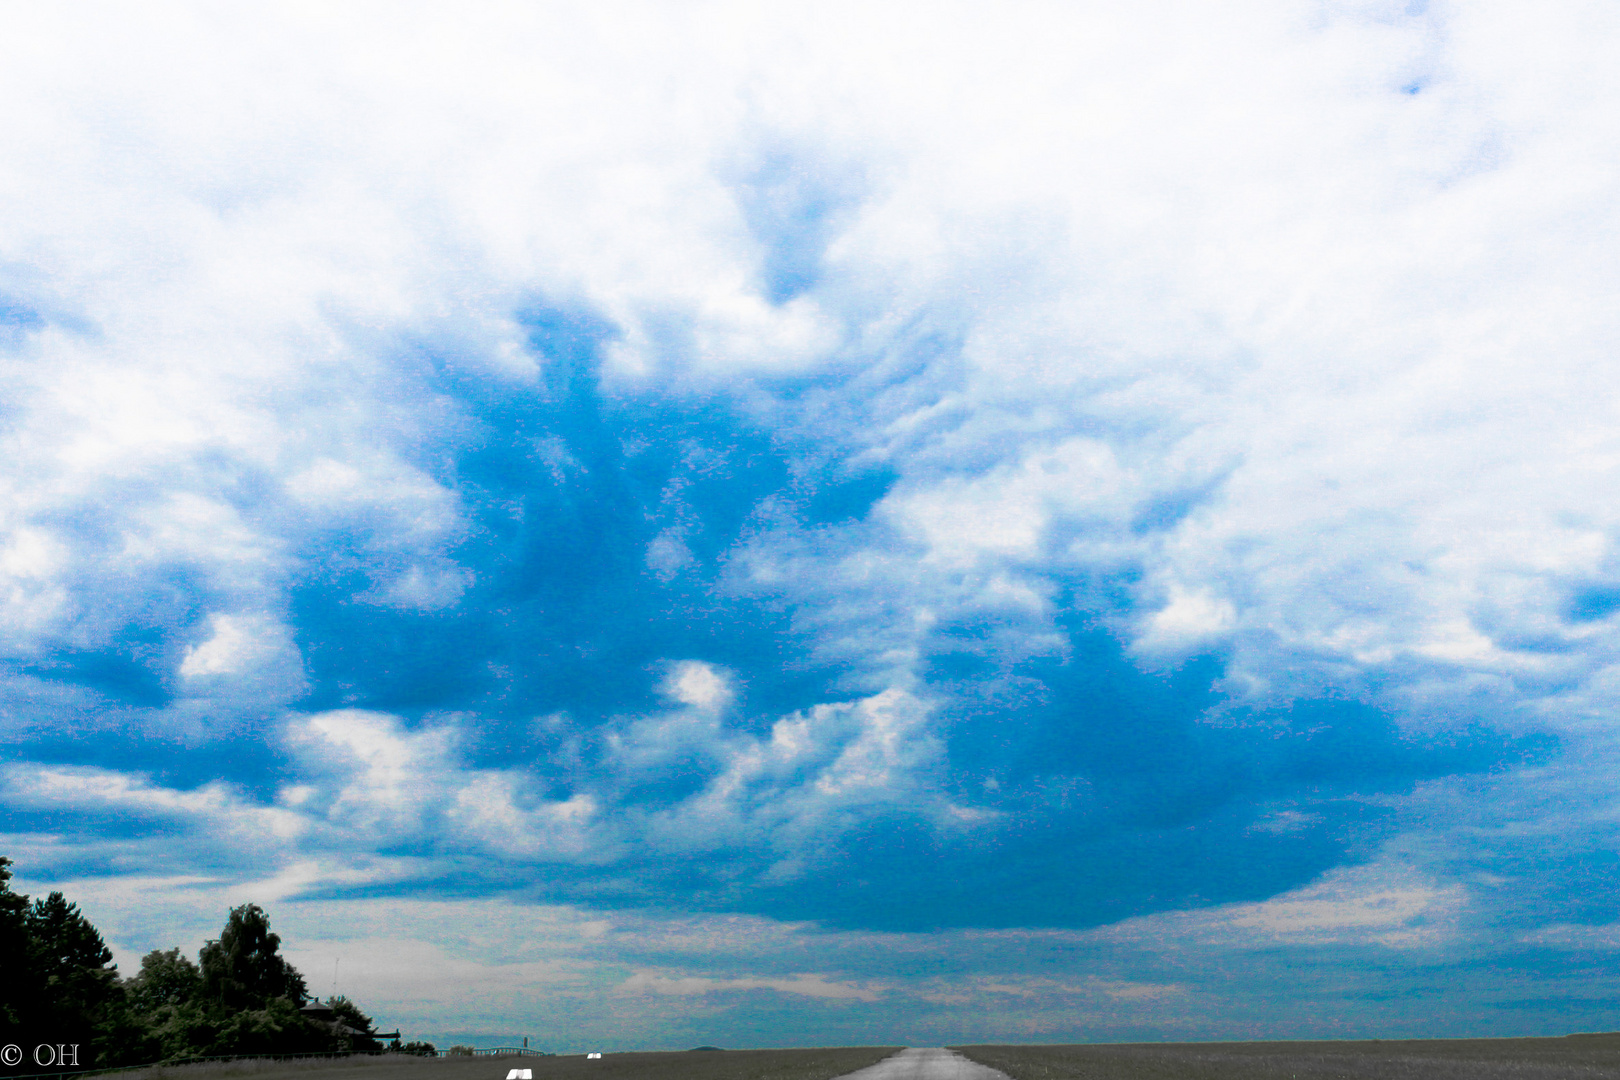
(59, 987)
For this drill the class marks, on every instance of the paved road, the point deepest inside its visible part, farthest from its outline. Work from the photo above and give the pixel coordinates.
(919, 1063)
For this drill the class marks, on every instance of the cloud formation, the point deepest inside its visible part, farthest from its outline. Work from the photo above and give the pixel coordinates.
(965, 474)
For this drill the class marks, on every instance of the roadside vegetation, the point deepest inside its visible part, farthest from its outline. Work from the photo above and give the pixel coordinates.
(240, 996)
(1589, 1057)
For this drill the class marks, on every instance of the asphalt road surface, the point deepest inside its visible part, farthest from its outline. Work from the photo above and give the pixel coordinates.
(926, 1063)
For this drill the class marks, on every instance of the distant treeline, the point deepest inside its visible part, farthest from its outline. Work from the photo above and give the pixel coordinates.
(59, 987)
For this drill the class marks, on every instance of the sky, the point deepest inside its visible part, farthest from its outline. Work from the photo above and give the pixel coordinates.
(649, 525)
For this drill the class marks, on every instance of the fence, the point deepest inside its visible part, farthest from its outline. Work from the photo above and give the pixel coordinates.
(493, 1051)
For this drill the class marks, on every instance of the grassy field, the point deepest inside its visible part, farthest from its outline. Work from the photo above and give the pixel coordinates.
(1575, 1057)
(820, 1064)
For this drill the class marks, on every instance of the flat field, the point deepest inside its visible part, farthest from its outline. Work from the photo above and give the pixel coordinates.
(1574, 1057)
(819, 1064)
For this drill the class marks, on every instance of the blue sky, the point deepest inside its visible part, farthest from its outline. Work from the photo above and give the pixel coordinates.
(648, 525)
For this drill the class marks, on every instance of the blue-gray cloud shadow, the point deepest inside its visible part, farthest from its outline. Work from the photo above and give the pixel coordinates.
(1592, 602)
(17, 320)
(790, 205)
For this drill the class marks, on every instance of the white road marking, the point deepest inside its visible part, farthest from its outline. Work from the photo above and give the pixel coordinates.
(926, 1063)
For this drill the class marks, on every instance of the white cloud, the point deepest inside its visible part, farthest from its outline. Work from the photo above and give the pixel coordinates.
(1228, 248)
(1048, 991)
(1386, 903)
(379, 779)
(503, 813)
(1575, 937)
(367, 780)
(378, 783)
(212, 829)
(247, 656)
(811, 986)
(1187, 620)
(692, 682)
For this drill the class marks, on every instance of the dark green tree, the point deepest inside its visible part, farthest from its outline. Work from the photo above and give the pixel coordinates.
(276, 1028)
(74, 967)
(18, 993)
(164, 1014)
(57, 980)
(243, 969)
(166, 979)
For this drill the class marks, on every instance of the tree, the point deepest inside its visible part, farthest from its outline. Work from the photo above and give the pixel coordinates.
(74, 965)
(276, 1028)
(353, 1026)
(250, 995)
(242, 970)
(347, 1012)
(171, 1019)
(164, 1016)
(57, 980)
(166, 979)
(18, 995)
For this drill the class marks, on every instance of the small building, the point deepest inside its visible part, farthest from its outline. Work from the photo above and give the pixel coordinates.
(322, 1013)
